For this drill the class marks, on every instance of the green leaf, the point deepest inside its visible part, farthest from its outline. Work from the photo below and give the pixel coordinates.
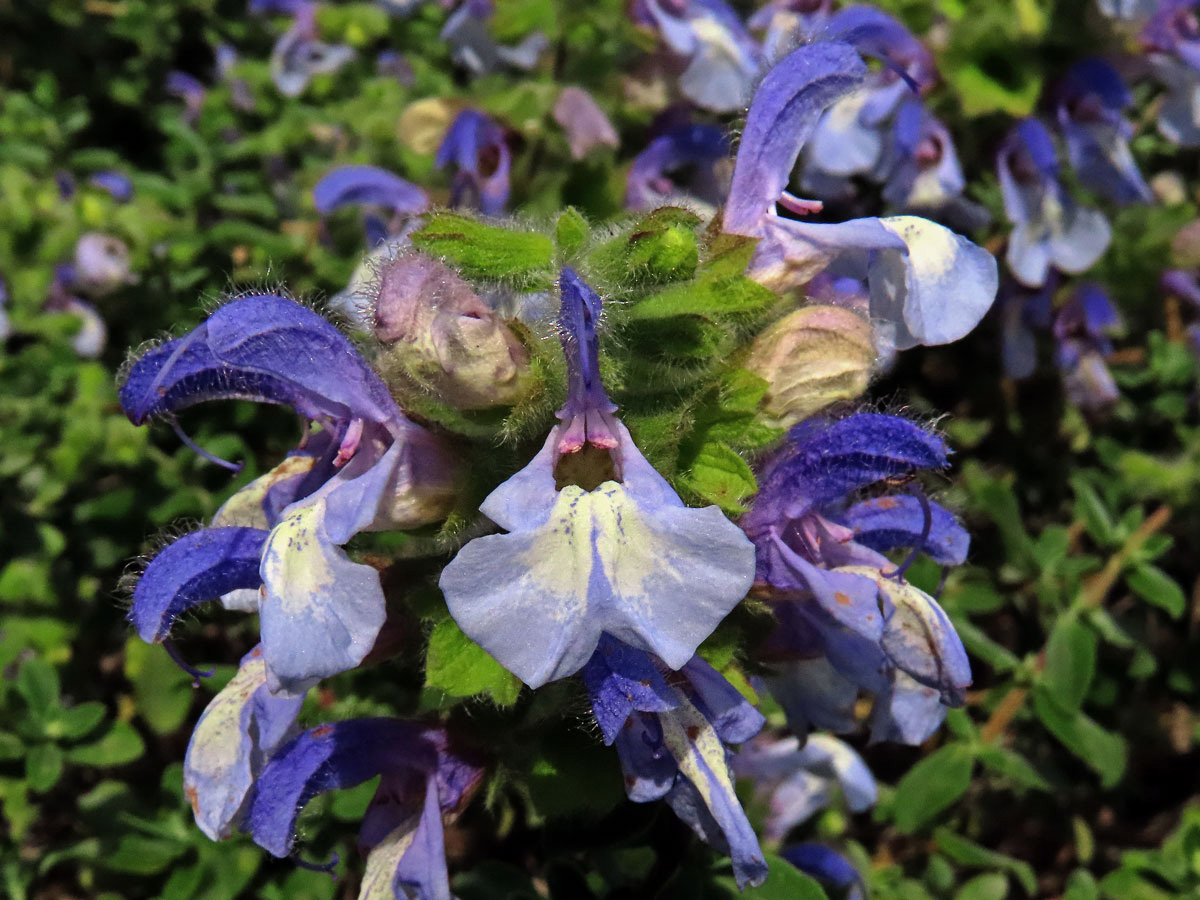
(1012, 765)
(37, 683)
(486, 251)
(667, 254)
(931, 786)
(1070, 662)
(722, 477)
(76, 722)
(11, 747)
(968, 853)
(122, 744)
(43, 766)
(988, 886)
(1101, 750)
(458, 666)
(162, 690)
(785, 882)
(1081, 886)
(138, 854)
(1155, 586)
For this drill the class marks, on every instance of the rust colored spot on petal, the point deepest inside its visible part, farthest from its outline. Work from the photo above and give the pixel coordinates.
(842, 599)
(322, 730)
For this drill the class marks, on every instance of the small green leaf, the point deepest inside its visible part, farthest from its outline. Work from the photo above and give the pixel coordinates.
(785, 882)
(1012, 765)
(722, 477)
(122, 744)
(1070, 662)
(1101, 750)
(11, 747)
(479, 250)
(1081, 886)
(43, 766)
(461, 668)
(76, 722)
(667, 254)
(1155, 586)
(37, 683)
(988, 886)
(162, 690)
(968, 853)
(931, 786)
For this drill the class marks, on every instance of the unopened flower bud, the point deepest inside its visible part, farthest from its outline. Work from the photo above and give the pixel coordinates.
(445, 337)
(811, 358)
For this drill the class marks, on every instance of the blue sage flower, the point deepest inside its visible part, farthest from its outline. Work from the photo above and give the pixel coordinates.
(299, 54)
(625, 558)
(852, 136)
(1172, 41)
(723, 61)
(473, 47)
(670, 731)
(371, 186)
(320, 612)
(787, 23)
(1088, 106)
(682, 167)
(476, 150)
(1024, 312)
(1082, 329)
(848, 620)
(119, 187)
(835, 873)
(928, 285)
(190, 90)
(583, 121)
(796, 779)
(424, 781)
(1049, 229)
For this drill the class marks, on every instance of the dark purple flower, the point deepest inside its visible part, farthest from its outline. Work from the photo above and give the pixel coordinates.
(476, 149)
(828, 867)
(680, 165)
(848, 619)
(423, 781)
(670, 731)
(190, 90)
(118, 185)
(1082, 327)
(370, 186)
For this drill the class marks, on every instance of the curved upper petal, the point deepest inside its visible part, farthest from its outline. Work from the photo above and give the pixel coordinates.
(368, 185)
(326, 758)
(194, 569)
(784, 111)
(261, 347)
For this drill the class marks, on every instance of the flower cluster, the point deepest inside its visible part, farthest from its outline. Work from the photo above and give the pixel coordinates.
(586, 563)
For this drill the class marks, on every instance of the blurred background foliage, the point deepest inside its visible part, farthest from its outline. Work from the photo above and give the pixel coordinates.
(1073, 770)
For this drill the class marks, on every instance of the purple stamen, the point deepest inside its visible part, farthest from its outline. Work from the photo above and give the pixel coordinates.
(926, 527)
(177, 658)
(201, 452)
